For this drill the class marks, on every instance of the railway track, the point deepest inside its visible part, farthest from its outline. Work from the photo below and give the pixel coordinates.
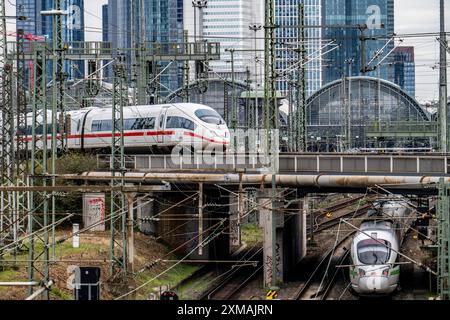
(327, 224)
(234, 279)
(325, 274)
(232, 284)
(322, 279)
(323, 222)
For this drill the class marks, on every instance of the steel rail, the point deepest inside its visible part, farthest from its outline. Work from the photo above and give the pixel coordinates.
(302, 290)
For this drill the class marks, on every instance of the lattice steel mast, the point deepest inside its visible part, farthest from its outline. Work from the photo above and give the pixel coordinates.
(118, 241)
(443, 216)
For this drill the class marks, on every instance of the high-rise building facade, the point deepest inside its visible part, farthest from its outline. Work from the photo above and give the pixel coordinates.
(170, 21)
(287, 16)
(162, 22)
(30, 9)
(105, 23)
(106, 38)
(345, 21)
(38, 25)
(228, 22)
(405, 69)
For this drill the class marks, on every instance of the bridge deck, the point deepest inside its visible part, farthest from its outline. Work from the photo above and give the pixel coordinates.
(437, 165)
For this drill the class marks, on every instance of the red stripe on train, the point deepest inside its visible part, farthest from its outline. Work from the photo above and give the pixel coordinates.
(131, 134)
(191, 134)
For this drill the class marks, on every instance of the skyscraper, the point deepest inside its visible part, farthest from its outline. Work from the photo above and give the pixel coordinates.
(228, 22)
(30, 9)
(405, 69)
(163, 23)
(73, 25)
(106, 38)
(342, 18)
(105, 23)
(287, 14)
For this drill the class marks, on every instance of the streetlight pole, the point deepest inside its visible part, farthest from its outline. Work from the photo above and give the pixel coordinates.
(348, 110)
(198, 4)
(443, 112)
(256, 27)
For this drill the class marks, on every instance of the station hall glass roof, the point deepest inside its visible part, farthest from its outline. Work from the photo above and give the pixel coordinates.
(372, 101)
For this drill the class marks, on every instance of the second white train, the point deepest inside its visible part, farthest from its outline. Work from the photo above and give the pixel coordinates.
(375, 249)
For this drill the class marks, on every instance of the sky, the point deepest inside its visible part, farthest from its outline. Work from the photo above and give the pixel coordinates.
(411, 16)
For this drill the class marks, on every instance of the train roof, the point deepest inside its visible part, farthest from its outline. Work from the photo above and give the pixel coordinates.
(184, 106)
(379, 230)
(371, 224)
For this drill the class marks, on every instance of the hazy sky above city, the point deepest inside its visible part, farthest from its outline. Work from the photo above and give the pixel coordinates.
(411, 16)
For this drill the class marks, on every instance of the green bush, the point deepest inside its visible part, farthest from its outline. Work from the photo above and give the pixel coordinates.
(74, 163)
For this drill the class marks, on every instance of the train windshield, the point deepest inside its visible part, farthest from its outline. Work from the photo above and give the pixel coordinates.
(373, 252)
(209, 116)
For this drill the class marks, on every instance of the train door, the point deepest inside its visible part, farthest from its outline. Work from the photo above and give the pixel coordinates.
(77, 135)
(162, 124)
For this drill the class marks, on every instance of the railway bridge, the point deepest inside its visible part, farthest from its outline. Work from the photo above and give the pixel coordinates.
(223, 183)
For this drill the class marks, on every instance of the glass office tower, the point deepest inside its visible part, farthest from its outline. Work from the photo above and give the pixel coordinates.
(37, 25)
(163, 23)
(342, 18)
(405, 69)
(31, 10)
(287, 14)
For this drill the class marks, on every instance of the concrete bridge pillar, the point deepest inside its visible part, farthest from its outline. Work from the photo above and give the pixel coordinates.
(295, 237)
(272, 219)
(235, 225)
(285, 239)
(145, 211)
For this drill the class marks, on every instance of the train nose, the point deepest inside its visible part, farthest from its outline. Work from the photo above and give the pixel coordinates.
(374, 284)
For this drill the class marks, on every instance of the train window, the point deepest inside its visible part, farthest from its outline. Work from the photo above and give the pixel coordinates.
(40, 129)
(209, 116)
(148, 123)
(96, 126)
(180, 123)
(139, 124)
(130, 124)
(21, 131)
(101, 125)
(373, 252)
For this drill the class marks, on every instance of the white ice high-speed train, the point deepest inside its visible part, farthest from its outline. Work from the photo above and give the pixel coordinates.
(374, 251)
(145, 127)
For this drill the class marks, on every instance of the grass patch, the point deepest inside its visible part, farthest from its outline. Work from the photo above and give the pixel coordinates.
(67, 249)
(191, 290)
(61, 250)
(61, 295)
(171, 278)
(9, 275)
(251, 234)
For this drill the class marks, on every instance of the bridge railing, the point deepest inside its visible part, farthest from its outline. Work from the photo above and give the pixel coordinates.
(292, 164)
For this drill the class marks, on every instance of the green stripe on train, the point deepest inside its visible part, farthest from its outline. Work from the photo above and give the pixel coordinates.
(395, 272)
